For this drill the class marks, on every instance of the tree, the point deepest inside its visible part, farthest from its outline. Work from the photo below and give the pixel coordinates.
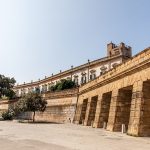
(8, 115)
(6, 85)
(31, 102)
(21, 105)
(63, 84)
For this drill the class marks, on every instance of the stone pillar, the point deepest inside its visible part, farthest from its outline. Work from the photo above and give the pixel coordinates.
(91, 111)
(136, 109)
(86, 121)
(98, 111)
(145, 111)
(112, 126)
(78, 112)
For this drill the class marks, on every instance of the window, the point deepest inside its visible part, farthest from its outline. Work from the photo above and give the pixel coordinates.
(92, 76)
(114, 65)
(76, 80)
(23, 91)
(32, 89)
(44, 88)
(49, 86)
(103, 70)
(68, 78)
(83, 79)
(37, 89)
(116, 52)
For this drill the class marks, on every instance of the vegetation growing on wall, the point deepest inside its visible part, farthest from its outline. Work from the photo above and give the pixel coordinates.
(62, 85)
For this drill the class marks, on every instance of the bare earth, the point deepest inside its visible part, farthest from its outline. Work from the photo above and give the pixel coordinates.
(23, 136)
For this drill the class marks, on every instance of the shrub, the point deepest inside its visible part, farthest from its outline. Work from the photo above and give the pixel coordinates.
(8, 115)
(62, 85)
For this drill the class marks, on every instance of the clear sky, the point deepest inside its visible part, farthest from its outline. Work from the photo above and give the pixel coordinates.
(40, 37)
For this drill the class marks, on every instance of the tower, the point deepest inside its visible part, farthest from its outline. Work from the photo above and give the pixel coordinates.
(121, 49)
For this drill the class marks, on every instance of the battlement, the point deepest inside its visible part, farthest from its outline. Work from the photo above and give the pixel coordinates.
(121, 49)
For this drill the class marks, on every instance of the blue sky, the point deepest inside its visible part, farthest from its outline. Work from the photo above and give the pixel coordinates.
(40, 37)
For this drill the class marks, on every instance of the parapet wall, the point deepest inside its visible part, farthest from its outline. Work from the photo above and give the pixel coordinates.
(60, 108)
(5, 104)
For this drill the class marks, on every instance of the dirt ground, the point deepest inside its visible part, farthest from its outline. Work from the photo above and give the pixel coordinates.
(23, 136)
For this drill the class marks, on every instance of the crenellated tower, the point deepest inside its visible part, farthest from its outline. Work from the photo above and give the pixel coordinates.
(121, 49)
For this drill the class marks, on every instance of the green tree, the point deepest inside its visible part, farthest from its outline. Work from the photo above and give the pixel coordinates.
(6, 85)
(8, 115)
(31, 102)
(63, 84)
(21, 105)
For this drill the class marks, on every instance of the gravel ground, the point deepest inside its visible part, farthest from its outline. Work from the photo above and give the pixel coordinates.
(24, 136)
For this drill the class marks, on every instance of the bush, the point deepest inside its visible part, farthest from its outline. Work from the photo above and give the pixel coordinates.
(8, 115)
(62, 85)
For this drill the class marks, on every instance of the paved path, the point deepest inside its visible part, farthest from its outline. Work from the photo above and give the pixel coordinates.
(22, 136)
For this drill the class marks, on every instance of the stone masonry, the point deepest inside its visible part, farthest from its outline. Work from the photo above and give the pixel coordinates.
(120, 99)
(60, 108)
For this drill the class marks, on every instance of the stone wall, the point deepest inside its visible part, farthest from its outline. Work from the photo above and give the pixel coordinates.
(119, 99)
(60, 107)
(58, 110)
(3, 106)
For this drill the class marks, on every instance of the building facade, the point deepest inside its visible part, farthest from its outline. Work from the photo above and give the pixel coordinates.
(120, 99)
(116, 97)
(116, 54)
